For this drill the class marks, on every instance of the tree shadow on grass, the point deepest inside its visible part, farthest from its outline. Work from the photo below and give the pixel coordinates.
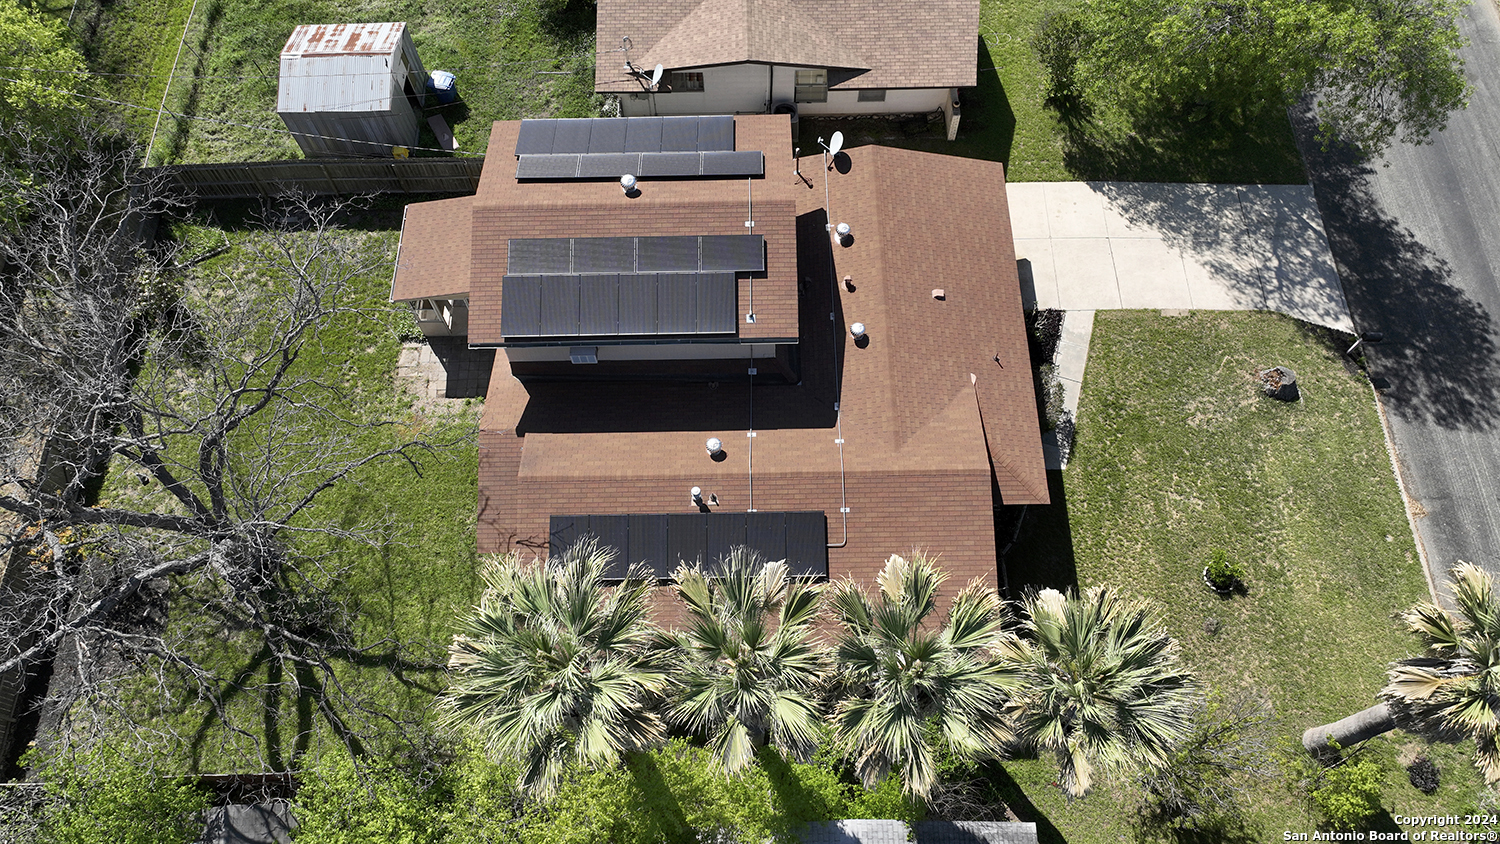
(1439, 362)
(1169, 144)
(1010, 791)
(655, 802)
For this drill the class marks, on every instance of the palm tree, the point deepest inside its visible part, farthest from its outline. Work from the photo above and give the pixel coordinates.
(749, 666)
(899, 676)
(1450, 693)
(555, 664)
(1100, 685)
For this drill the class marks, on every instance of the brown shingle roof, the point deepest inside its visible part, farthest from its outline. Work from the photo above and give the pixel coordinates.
(731, 31)
(924, 410)
(931, 44)
(506, 208)
(433, 261)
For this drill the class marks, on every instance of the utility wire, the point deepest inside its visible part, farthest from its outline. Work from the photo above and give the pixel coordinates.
(281, 129)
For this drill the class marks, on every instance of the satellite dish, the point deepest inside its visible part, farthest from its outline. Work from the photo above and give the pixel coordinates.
(835, 143)
(656, 76)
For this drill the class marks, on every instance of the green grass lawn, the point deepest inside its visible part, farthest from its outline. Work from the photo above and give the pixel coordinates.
(405, 589)
(1178, 454)
(511, 60)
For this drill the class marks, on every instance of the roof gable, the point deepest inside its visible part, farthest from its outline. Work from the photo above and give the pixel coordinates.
(763, 31)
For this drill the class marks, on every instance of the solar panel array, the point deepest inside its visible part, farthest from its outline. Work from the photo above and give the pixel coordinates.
(685, 254)
(646, 164)
(659, 542)
(597, 135)
(618, 304)
(609, 147)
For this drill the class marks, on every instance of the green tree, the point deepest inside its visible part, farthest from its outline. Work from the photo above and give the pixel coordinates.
(899, 675)
(105, 796)
(1098, 685)
(555, 663)
(750, 666)
(1379, 70)
(1452, 691)
(39, 68)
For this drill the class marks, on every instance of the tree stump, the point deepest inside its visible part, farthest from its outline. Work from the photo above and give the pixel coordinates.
(1280, 383)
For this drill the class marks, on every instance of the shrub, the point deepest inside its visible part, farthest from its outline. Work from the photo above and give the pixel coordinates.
(104, 796)
(1348, 794)
(1223, 572)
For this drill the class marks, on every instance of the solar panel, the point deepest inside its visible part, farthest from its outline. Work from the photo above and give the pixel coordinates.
(676, 303)
(547, 167)
(563, 532)
(670, 164)
(572, 136)
(606, 134)
(662, 541)
(638, 304)
(608, 166)
(531, 256)
(648, 543)
(520, 306)
(685, 537)
(599, 305)
(725, 531)
(667, 254)
(559, 306)
(717, 298)
(747, 163)
(643, 134)
(715, 133)
(603, 254)
(807, 544)
(766, 533)
(612, 532)
(535, 137)
(733, 253)
(680, 134)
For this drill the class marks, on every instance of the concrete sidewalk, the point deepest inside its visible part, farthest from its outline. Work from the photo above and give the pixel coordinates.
(1111, 245)
(1087, 246)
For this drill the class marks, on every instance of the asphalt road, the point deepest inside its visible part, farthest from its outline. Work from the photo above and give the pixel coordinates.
(1416, 237)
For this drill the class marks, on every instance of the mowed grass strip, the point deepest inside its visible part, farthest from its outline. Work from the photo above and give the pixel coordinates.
(511, 60)
(1179, 453)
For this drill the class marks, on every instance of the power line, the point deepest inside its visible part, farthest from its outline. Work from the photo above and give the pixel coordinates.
(236, 123)
(86, 72)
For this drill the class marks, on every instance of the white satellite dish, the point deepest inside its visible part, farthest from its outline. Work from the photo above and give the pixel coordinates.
(835, 143)
(656, 76)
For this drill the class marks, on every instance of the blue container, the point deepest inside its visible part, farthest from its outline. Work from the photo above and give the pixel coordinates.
(444, 85)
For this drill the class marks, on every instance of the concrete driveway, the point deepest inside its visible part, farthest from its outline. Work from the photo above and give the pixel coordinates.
(1087, 246)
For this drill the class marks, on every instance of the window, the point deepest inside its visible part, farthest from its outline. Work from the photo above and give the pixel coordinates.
(812, 86)
(872, 95)
(685, 81)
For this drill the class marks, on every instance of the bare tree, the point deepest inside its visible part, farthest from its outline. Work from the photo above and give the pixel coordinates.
(119, 355)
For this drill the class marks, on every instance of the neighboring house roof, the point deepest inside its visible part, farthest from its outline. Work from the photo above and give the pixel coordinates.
(893, 45)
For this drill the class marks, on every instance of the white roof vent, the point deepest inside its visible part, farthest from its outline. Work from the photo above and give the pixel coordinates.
(714, 445)
(857, 330)
(627, 184)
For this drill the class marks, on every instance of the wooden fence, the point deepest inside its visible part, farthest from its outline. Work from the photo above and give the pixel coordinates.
(327, 176)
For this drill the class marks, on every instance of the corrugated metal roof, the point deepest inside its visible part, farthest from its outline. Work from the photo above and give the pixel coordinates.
(345, 39)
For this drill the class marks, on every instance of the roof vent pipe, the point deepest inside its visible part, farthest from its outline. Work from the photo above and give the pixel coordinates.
(857, 330)
(627, 184)
(714, 445)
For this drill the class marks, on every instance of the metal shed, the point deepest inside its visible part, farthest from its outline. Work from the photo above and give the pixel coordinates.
(351, 89)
